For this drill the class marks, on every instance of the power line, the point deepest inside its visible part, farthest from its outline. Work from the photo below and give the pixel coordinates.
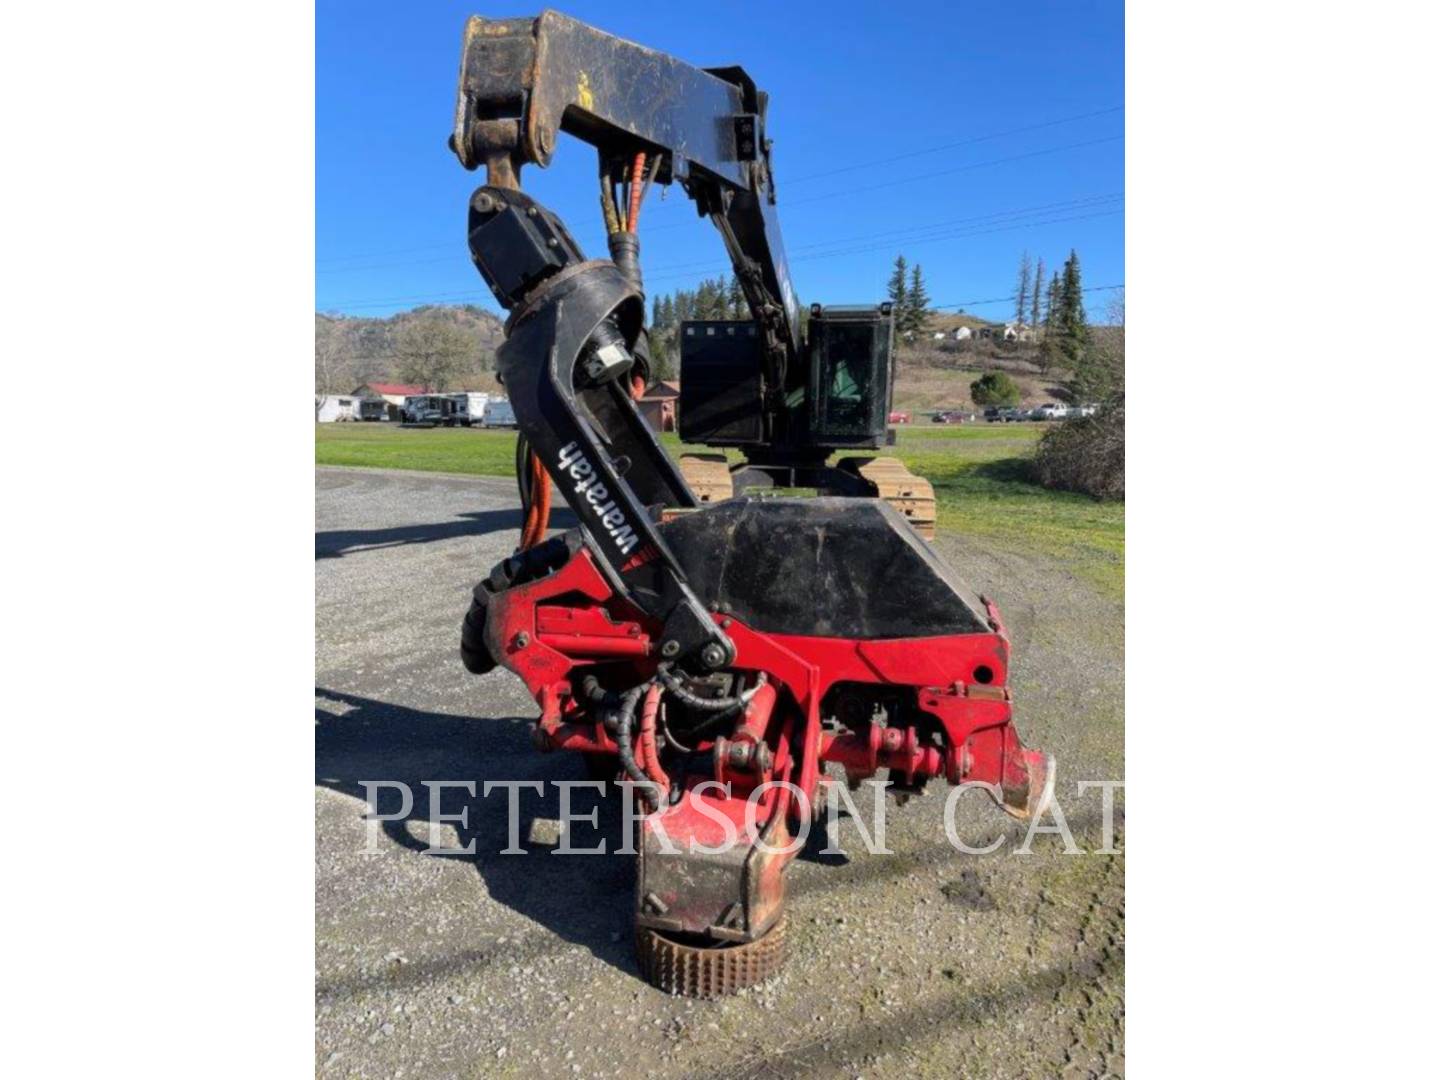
(652, 278)
(984, 302)
(834, 172)
(892, 158)
(952, 172)
(955, 235)
(998, 215)
(1013, 296)
(674, 271)
(803, 247)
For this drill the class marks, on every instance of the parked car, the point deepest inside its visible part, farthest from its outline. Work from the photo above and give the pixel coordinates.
(1014, 416)
(898, 417)
(1049, 411)
(993, 414)
(1077, 412)
(953, 416)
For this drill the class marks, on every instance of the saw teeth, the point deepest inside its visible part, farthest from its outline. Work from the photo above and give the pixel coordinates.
(687, 971)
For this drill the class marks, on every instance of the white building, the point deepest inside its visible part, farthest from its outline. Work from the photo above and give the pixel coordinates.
(330, 408)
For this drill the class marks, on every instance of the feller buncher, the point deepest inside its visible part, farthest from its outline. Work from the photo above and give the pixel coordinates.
(715, 652)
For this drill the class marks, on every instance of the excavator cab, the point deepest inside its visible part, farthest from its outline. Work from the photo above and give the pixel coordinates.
(847, 400)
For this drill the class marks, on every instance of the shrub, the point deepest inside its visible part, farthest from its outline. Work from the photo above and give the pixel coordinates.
(1086, 455)
(994, 388)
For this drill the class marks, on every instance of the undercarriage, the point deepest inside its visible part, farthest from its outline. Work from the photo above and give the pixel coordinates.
(713, 478)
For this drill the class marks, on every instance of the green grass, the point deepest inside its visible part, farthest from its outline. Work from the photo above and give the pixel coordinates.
(979, 471)
(982, 488)
(389, 446)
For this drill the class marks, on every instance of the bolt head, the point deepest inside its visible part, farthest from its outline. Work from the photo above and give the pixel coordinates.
(670, 648)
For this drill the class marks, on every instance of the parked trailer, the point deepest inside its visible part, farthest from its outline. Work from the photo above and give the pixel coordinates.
(469, 407)
(430, 410)
(498, 414)
(331, 408)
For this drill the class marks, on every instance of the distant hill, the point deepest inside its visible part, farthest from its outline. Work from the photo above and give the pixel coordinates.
(934, 375)
(364, 347)
(930, 375)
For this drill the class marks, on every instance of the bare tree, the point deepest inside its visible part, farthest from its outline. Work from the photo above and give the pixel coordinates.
(432, 351)
(1115, 309)
(329, 363)
(1035, 295)
(1022, 288)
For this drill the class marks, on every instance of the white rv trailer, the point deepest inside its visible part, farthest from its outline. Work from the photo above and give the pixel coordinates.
(331, 408)
(469, 407)
(498, 413)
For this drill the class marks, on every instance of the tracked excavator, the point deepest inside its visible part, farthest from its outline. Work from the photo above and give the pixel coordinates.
(712, 648)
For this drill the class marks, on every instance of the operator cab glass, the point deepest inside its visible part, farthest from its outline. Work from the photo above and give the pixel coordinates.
(849, 376)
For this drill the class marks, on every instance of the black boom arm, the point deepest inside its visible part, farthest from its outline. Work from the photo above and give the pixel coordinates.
(525, 80)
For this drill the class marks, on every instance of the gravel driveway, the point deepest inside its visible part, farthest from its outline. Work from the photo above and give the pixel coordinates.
(925, 962)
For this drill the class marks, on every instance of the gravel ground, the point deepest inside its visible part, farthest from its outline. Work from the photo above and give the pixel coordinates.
(925, 962)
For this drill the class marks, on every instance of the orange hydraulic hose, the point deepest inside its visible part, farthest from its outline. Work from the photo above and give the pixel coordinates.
(648, 757)
(637, 174)
(537, 521)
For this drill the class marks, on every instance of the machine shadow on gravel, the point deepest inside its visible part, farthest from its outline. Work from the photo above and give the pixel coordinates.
(585, 900)
(337, 543)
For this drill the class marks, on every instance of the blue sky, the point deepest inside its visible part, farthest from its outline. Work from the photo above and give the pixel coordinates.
(990, 129)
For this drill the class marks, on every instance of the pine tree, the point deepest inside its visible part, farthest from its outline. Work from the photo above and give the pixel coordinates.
(1035, 295)
(705, 300)
(719, 307)
(657, 318)
(899, 302)
(917, 302)
(1073, 331)
(1072, 304)
(1050, 341)
(1022, 289)
(738, 308)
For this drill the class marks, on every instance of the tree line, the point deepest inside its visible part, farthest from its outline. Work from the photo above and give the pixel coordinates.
(718, 298)
(722, 298)
(437, 347)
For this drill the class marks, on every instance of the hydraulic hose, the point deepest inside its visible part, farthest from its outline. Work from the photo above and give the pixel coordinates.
(624, 719)
(649, 753)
